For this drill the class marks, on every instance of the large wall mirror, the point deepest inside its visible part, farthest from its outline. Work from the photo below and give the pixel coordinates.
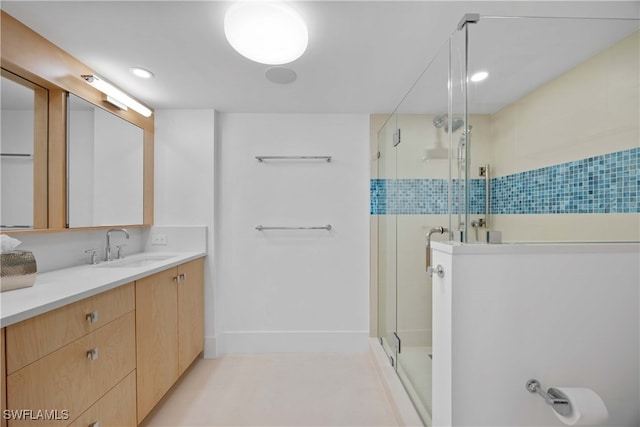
(105, 156)
(23, 154)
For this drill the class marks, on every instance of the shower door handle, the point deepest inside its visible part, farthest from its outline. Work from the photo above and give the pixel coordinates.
(440, 230)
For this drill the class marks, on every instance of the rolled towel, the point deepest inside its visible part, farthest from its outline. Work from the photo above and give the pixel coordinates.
(7, 244)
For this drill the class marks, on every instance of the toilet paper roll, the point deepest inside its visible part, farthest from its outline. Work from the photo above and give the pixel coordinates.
(587, 408)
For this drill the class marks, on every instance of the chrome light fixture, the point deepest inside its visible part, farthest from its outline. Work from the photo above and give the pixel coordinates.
(115, 93)
(268, 32)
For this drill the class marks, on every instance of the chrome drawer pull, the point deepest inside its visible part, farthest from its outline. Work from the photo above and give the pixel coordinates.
(92, 317)
(92, 354)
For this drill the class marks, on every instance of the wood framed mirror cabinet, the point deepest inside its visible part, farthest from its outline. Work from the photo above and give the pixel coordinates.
(54, 76)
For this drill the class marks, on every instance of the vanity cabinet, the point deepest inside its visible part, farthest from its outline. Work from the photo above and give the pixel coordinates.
(157, 338)
(170, 329)
(69, 360)
(107, 359)
(190, 313)
(116, 408)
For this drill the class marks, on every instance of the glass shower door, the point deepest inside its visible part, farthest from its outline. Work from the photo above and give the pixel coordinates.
(421, 204)
(386, 239)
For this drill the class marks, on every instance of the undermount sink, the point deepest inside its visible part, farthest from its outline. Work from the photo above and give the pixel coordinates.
(135, 261)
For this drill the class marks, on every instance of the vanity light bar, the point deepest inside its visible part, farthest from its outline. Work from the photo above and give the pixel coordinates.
(116, 93)
(111, 100)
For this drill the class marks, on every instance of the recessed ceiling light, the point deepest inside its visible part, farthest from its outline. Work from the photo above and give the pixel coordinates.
(479, 76)
(142, 72)
(268, 32)
(280, 75)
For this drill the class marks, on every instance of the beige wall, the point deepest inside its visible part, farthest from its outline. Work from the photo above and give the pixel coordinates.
(591, 110)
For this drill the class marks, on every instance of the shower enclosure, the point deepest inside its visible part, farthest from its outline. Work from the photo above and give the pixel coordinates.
(544, 149)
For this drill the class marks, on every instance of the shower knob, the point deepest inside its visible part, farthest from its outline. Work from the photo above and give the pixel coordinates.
(439, 270)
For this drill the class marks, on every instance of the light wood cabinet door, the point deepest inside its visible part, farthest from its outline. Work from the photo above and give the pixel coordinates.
(74, 377)
(190, 312)
(157, 338)
(116, 408)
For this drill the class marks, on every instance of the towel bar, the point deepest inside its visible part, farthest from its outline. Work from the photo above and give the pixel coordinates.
(326, 227)
(261, 158)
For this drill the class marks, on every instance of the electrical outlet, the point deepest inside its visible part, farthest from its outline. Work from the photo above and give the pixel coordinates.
(159, 239)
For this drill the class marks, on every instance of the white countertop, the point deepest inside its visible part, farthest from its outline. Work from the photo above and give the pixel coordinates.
(58, 288)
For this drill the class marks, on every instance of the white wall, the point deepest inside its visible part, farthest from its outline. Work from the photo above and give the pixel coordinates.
(567, 315)
(292, 290)
(54, 251)
(184, 185)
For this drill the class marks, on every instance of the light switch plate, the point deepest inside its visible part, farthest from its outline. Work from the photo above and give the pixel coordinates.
(159, 239)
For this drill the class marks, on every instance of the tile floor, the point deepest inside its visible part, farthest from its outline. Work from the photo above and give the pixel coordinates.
(302, 389)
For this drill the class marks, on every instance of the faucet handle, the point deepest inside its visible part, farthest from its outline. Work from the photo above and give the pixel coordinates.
(119, 251)
(94, 255)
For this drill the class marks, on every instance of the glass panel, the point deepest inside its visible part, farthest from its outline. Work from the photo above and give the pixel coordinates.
(557, 119)
(23, 154)
(460, 130)
(386, 238)
(420, 194)
(105, 164)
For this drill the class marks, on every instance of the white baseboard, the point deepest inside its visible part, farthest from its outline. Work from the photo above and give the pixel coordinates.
(291, 342)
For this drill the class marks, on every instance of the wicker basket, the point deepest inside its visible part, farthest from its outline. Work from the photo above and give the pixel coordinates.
(17, 270)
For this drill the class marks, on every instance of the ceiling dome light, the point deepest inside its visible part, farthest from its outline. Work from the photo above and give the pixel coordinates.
(479, 76)
(268, 32)
(142, 72)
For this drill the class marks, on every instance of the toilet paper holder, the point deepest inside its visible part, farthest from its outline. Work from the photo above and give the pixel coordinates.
(553, 397)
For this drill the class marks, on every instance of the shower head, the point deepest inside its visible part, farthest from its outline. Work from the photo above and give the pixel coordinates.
(443, 121)
(457, 124)
(440, 120)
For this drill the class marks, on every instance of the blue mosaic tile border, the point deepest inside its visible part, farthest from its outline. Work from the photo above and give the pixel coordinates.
(378, 198)
(422, 196)
(602, 184)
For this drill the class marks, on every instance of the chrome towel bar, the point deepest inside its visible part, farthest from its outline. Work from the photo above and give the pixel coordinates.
(261, 158)
(326, 227)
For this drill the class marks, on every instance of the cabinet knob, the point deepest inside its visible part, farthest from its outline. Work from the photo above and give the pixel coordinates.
(176, 279)
(92, 354)
(94, 424)
(92, 317)
(183, 276)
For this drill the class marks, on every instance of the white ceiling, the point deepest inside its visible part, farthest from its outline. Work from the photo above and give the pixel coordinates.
(363, 56)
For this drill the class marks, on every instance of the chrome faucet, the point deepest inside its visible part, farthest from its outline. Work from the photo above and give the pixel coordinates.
(108, 255)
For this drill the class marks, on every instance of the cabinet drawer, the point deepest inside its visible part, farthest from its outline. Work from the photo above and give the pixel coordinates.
(34, 338)
(116, 408)
(68, 379)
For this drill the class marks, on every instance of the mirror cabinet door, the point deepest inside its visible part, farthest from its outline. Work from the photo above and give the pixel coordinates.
(23, 154)
(104, 167)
